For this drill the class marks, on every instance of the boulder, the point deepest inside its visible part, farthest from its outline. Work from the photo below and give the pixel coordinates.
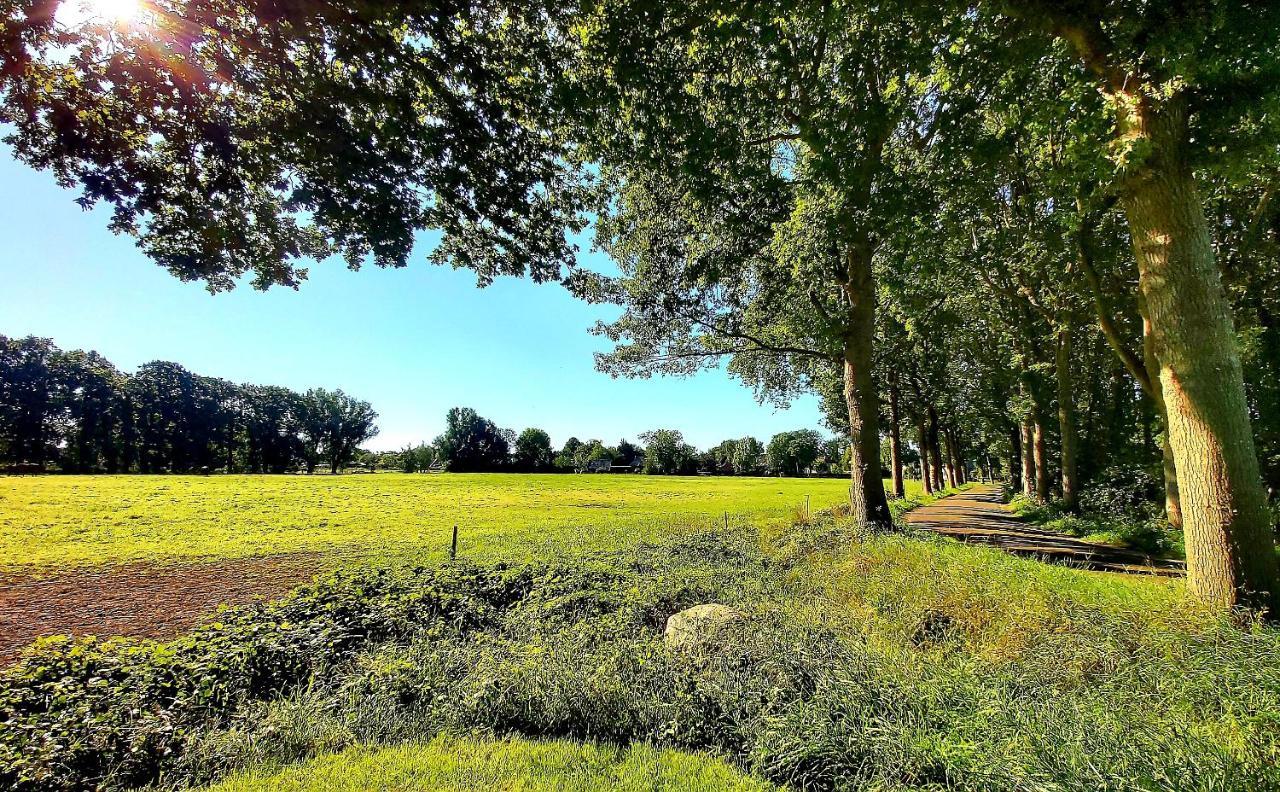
(693, 629)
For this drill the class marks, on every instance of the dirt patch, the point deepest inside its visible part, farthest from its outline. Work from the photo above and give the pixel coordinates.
(141, 599)
(979, 517)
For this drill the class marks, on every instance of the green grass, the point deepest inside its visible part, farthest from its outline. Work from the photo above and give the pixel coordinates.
(463, 765)
(57, 521)
(867, 661)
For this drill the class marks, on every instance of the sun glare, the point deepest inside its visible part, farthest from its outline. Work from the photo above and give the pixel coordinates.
(123, 11)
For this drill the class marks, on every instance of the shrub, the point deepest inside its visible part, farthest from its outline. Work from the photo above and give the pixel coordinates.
(1123, 492)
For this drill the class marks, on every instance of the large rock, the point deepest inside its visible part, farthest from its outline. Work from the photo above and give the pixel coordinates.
(694, 629)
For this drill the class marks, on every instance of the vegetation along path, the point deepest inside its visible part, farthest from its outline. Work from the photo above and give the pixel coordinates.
(980, 516)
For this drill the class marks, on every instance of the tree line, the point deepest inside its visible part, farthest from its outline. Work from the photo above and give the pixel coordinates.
(76, 412)
(471, 443)
(1036, 235)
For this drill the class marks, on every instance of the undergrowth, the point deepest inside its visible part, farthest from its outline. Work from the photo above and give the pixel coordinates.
(882, 660)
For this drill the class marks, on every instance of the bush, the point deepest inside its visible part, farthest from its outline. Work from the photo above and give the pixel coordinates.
(1123, 492)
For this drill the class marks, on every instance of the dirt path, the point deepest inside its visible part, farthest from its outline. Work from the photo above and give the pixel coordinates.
(141, 599)
(978, 516)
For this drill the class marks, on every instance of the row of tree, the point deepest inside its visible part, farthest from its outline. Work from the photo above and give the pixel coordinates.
(1003, 227)
(75, 411)
(471, 443)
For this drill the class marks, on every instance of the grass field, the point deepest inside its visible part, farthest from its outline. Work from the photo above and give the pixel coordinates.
(462, 765)
(864, 660)
(59, 521)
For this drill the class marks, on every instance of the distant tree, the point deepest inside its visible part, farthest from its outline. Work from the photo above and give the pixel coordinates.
(532, 451)
(27, 387)
(666, 453)
(590, 452)
(793, 453)
(627, 452)
(272, 423)
(720, 458)
(567, 459)
(417, 459)
(748, 454)
(334, 426)
(471, 443)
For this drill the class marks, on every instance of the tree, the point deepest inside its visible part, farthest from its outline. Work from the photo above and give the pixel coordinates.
(753, 153)
(334, 425)
(666, 453)
(532, 452)
(27, 387)
(748, 454)
(417, 459)
(471, 444)
(794, 453)
(1188, 87)
(240, 137)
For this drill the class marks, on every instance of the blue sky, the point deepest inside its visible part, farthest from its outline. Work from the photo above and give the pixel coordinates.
(414, 342)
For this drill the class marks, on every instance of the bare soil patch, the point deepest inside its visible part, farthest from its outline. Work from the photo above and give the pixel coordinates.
(141, 599)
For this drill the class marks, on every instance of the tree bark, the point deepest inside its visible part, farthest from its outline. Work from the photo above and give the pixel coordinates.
(1067, 420)
(895, 440)
(1015, 460)
(1168, 467)
(1042, 459)
(1028, 459)
(935, 450)
(926, 474)
(869, 505)
(1230, 551)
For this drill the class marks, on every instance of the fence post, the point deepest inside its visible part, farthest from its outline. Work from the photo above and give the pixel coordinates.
(453, 548)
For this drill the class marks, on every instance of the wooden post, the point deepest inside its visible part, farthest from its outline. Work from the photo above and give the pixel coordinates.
(453, 548)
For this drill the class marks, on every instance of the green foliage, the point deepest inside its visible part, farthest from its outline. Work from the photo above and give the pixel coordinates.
(76, 409)
(532, 451)
(666, 453)
(472, 444)
(793, 452)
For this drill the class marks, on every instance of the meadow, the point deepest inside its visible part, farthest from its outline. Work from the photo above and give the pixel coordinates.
(71, 521)
(866, 660)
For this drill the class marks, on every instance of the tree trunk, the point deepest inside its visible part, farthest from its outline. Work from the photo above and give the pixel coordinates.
(867, 500)
(1015, 460)
(1028, 459)
(1168, 468)
(895, 440)
(1042, 460)
(935, 451)
(1230, 550)
(926, 473)
(1067, 420)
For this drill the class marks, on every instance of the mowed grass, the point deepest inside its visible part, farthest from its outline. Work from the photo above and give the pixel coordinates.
(462, 765)
(72, 521)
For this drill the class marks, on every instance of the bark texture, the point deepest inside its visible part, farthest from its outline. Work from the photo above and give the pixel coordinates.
(1230, 551)
(1028, 459)
(895, 441)
(1067, 421)
(866, 489)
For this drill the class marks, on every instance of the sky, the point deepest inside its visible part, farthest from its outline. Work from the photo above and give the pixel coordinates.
(413, 342)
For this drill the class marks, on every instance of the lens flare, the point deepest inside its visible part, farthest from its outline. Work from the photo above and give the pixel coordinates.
(114, 10)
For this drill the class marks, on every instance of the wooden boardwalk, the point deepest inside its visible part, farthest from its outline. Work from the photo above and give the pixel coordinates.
(979, 517)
